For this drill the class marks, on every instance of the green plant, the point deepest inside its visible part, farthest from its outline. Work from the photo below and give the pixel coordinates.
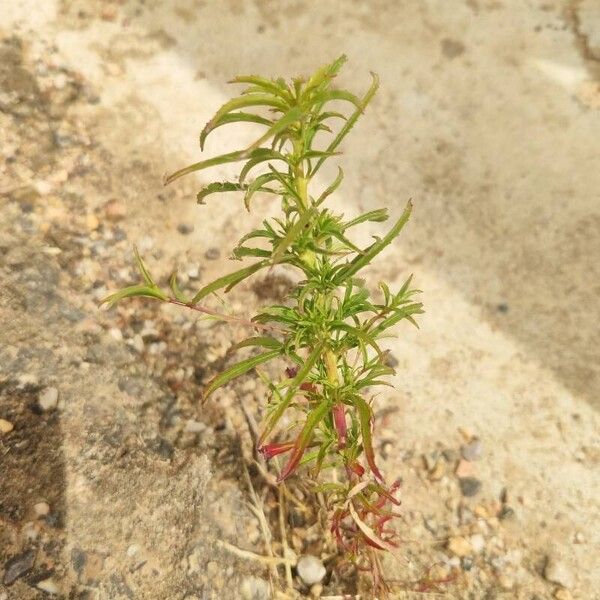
(329, 330)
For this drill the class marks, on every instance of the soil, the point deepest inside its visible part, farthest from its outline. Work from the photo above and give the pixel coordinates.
(127, 486)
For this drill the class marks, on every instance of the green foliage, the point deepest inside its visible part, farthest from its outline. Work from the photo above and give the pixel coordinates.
(331, 327)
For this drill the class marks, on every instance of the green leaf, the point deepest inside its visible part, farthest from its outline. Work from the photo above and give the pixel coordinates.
(238, 369)
(276, 88)
(179, 295)
(351, 120)
(258, 186)
(261, 341)
(260, 155)
(223, 159)
(228, 281)
(244, 251)
(244, 102)
(377, 216)
(235, 117)
(364, 259)
(299, 227)
(218, 187)
(132, 291)
(290, 117)
(325, 73)
(142, 268)
(334, 186)
(329, 95)
(291, 391)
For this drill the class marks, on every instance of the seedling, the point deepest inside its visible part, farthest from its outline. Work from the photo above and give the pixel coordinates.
(327, 333)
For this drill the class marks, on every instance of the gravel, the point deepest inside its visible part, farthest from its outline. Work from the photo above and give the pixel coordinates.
(18, 565)
(469, 486)
(254, 588)
(473, 450)
(6, 426)
(311, 570)
(557, 571)
(48, 399)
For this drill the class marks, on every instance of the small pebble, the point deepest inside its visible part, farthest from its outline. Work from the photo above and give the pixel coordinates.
(473, 450)
(254, 588)
(460, 546)
(92, 222)
(477, 542)
(48, 585)
(311, 570)
(185, 229)
(48, 399)
(116, 334)
(212, 254)
(562, 594)
(557, 571)
(469, 486)
(466, 433)
(194, 426)
(41, 509)
(115, 210)
(17, 566)
(192, 271)
(506, 513)
(6, 426)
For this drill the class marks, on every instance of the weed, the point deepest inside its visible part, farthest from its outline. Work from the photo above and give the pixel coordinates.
(329, 330)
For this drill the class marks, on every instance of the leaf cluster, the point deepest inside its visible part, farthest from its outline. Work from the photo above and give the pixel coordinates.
(329, 330)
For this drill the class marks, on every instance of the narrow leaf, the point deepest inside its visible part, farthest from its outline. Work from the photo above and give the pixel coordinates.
(364, 259)
(218, 187)
(235, 117)
(134, 290)
(334, 186)
(228, 281)
(365, 417)
(376, 216)
(274, 87)
(142, 268)
(283, 123)
(238, 369)
(294, 231)
(179, 295)
(261, 341)
(312, 420)
(351, 120)
(205, 164)
(291, 391)
(260, 155)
